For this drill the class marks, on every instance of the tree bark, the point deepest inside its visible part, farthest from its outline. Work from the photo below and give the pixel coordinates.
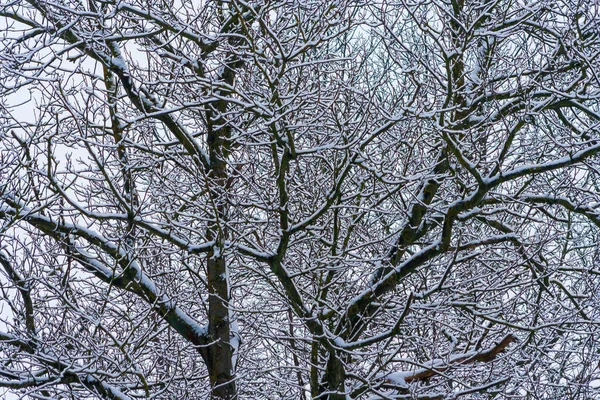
(334, 378)
(220, 365)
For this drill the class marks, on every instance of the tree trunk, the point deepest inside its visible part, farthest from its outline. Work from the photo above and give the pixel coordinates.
(334, 379)
(220, 352)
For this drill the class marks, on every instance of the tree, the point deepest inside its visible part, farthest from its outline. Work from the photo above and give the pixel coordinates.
(301, 199)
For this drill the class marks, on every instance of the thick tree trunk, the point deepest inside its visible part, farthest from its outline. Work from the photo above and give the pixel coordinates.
(220, 352)
(334, 379)
(220, 364)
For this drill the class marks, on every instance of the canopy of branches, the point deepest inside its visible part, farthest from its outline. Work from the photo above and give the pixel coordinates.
(303, 199)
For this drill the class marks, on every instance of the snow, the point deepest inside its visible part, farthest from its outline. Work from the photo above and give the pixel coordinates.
(142, 279)
(398, 378)
(234, 341)
(367, 107)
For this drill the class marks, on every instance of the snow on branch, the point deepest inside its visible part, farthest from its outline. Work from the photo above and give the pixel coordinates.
(436, 367)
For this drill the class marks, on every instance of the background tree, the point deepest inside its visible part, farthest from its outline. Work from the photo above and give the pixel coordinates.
(308, 199)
